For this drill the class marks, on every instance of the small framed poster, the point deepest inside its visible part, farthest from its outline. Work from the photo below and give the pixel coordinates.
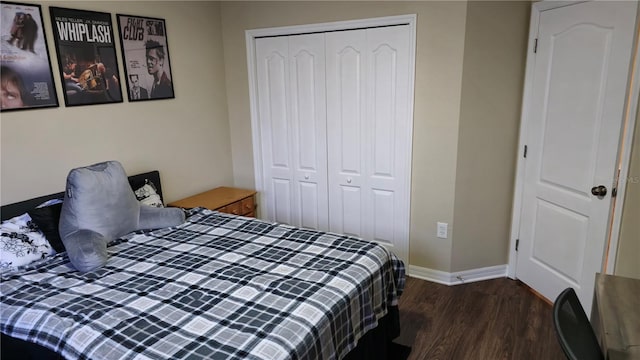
(27, 79)
(86, 56)
(145, 52)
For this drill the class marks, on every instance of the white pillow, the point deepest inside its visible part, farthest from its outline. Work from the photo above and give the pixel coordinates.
(21, 242)
(49, 203)
(147, 195)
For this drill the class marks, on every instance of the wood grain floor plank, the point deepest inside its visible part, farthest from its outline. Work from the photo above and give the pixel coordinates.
(493, 319)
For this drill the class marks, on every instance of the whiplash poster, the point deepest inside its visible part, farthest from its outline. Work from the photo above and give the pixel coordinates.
(27, 79)
(86, 56)
(145, 51)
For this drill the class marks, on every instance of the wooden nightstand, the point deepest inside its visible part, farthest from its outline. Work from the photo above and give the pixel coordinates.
(224, 199)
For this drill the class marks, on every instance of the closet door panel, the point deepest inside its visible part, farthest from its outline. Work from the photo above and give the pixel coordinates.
(383, 210)
(368, 91)
(383, 104)
(346, 90)
(310, 196)
(350, 210)
(281, 192)
(387, 138)
(309, 127)
(273, 88)
(380, 137)
(308, 124)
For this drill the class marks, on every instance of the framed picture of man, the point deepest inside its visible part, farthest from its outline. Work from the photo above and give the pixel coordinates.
(27, 79)
(86, 56)
(145, 52)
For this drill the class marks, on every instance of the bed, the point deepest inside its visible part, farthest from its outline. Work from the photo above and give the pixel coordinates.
(218, 286)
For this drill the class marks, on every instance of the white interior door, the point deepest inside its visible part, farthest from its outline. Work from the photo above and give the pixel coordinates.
(573, 127)
(369, 128)
(292, 106)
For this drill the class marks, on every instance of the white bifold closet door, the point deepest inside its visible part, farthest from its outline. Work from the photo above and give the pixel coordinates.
(335, 124)
(368, 118)
(292, 107)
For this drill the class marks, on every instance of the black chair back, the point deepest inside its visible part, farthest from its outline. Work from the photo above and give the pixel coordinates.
(573, 328)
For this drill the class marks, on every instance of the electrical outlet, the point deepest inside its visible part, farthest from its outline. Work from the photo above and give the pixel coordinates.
(442, 230)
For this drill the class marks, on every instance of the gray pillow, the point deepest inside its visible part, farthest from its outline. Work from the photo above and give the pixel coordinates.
(99, 206)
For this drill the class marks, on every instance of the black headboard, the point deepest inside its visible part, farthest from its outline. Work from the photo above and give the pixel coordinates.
(136, 181)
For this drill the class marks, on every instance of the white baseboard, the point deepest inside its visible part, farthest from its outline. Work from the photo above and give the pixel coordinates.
(460, 277)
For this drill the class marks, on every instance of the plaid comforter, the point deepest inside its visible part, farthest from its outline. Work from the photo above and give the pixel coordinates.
(215, 287)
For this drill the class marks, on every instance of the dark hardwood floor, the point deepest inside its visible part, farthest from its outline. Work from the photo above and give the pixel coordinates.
(493, 319)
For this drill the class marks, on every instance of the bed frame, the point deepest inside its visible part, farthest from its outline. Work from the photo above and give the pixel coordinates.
(136, 181)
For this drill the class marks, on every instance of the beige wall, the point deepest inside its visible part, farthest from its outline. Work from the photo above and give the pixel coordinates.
(186, 138)
(469, 72)
(492, 85)
(439, 57)
(628, 259)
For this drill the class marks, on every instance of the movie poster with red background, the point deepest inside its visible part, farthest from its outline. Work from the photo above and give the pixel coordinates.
(146, 57)
(27, 79)
(86, 56)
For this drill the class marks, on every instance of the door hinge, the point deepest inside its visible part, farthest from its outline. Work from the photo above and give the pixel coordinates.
(517, 244)
(525, 151)
(535, 45)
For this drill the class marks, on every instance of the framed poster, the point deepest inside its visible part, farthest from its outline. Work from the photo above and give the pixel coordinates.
(146, 57)
(86, 56)
(27, 79)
